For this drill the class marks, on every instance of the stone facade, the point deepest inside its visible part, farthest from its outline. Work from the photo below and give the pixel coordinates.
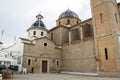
(38, 52)
(59, 35)
(77, 46)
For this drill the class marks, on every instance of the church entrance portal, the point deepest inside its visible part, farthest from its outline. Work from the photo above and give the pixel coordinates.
(44, 66)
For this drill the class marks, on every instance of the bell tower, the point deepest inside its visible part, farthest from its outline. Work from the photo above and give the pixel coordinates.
(106, 23)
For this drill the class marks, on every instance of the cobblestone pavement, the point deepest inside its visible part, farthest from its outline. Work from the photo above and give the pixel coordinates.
(57, 77)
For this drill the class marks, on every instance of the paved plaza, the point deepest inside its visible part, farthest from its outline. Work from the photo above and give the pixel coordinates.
(57, 77)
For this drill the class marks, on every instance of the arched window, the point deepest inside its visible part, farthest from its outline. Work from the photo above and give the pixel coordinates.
(77, 22)
(34, 32)
(68, 21)
(42, 33)
(59, 22)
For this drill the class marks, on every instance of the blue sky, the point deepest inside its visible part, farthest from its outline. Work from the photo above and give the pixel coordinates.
(16, 16)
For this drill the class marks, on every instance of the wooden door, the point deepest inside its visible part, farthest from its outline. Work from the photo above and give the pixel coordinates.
(44, 66)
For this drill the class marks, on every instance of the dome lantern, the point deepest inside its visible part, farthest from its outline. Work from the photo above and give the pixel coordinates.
(39, 17)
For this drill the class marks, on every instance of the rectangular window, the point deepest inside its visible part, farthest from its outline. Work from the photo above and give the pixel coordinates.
(116, 18)
(34, 32)
(101, 17)
(106, 54)
(51, 36)
(10, 53)
(41, 33)
(68, 21)
(29, 62)
(57, 63)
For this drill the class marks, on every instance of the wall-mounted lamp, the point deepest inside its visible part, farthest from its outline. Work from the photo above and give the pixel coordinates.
(53, 60)
(96, 58)
(35, 59)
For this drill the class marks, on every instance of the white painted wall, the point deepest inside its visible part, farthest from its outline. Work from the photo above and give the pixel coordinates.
(17, 52)
(38, 33)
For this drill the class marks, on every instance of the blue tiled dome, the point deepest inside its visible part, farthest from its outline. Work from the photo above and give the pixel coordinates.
(38, 24)
(68, 14)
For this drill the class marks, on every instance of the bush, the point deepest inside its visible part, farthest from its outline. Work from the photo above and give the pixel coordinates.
(2, 67)
(13, 67)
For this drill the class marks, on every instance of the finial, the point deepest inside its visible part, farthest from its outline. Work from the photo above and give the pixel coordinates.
(68, 7)
(39, 16)
(39, 11)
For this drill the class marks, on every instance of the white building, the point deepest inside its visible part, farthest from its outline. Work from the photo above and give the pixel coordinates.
(14, 52)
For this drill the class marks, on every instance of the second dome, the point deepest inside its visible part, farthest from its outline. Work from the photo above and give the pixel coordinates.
(68, 18)
(68, 14)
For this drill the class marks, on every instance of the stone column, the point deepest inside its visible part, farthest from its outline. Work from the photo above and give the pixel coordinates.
(70, 37)
(81, 33)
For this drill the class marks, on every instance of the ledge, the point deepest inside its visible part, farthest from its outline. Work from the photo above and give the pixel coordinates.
(79, 73)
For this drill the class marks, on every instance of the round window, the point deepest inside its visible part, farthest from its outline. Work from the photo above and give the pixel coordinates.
(45, 44)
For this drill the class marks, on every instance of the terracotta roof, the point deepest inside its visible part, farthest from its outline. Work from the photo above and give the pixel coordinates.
(43, 38)
(81, 22)
(86, 20)
(58, 27)
(25, 39)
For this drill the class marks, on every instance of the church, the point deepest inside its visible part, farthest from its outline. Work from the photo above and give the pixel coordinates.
(89, 46)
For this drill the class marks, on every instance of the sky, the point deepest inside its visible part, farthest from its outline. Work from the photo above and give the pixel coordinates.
(16, 16)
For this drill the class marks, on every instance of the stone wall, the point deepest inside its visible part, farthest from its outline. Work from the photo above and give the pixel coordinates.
(106, 64)
(60, 35)
(79, 56)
